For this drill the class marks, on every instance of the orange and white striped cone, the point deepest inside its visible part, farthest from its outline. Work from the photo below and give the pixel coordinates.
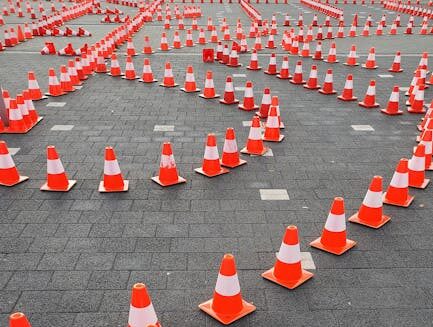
(426, 139)
(113, 179)
(328, 84)
(168, 80)
(18, 319)
(141, 310)
(397, 193)
(211, 166)
(57, 180)
(24, 111)
(393, 107)
(370, 97)
(54, 88)
(201, 37)
(366, 30)
(351, 58)
(334, 237)
(65, 80)
(258, 42)
(130, 70)
(347, 94)
(318, 52)
(329, 33)
(417, 105)
(287, 270)
(255, 144)
(275, 103)
(271, 42)
(284, 71)
(305, 52)
(225, 57)
(115, 67)
(352, 31)
(254, 63)
(73, 74)
(147, 74)
(34, 117)
(297, 77)
(227, 304)
(393, 29)
(9, 175)
(332, 54)
(272, 127)
(33, 87)
(164, 43)
(234, 59)
(294, 48)
(17, 124)
(312, 79)
(190, 85)
(379, 30)
(167, 168)
(396, 65)
(272, 67)
(230, 157)
(147, 48)
(265, 104)
(229, 93)
(416, 168)
(177, 43)
(371, 60)
(248, 101)
(130, 49)
(370, 212)
(209, 87)
(189, 42)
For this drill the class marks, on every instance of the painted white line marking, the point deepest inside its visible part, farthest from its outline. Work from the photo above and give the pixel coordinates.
(274, 194)
(239, 75)
(14, 151)
(62, 127)
(163, 128)
(56, 104)
(404, 89)
(307, 261)
(362, 128)
(239, 88)
(385, 76)
(78, 87)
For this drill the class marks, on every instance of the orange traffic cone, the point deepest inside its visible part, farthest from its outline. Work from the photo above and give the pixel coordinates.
(147, 75)
(396, 64)
(229, 93)
(65, 80)
(370, 97)
(54, 88)
(284, 71)
(393, 104)
(164, 43)
(168, 80)
(33, 87)
(227, 304)
(211, 166)
(254, 63)
(34, 117)
(9, 175)
(141, 310)
(255, 144)
(113, 180)
(167, 168)
(334, 239)
(318, 52)
(130, 49)
(371, 60)
(266, 103)
(115, 67)
(24, 111)
(371, 211)
(17, 123)
(57, 180)
(312, 80)
(426, 139)
(177, 43)
(332, 54)
(347, 94)
(100, 63)
(130, 70)
(297, 75)
(416, 167)
(18, 319)
(248, 102)
(209, 88)
(287, 270)
(230, 157)
(328, 85)
(190, 85)
(272, 67)
(398, 189)
(147, 49)
(417, 105)
(272, 127)
(351, 58)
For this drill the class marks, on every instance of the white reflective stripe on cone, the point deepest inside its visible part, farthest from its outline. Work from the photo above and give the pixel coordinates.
(230, 146)
(114, 64)
(348, 84)
(371, 90)
(23, 109)
(272, 122)
(167, 161)
(15, 114)
(255, 133)
(146, 69)
(227, 285)
(229, 87)
(208, 84)
(289, 253)
(6, 161)
(211, 153)
(111, 167)
(55, 166)
(428, 146)
(336, 223)
(168, 73)
(33, 84)
(249, 92)
(328, 78)
(285, 64)
(140, 317)
(373, 199)
(394, 97)
(417, 163)
(190, 77)
(399, 180)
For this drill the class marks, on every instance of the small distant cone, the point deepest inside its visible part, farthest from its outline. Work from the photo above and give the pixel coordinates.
(272, 67)
(229, 93)
(177, 44)
(234, 59)
(33, 87)
(227, 304)
(230, 157)
(190, 85)
(332, 55)
(147, 49)
(393, 107)
(347, 94)
(34, 117)
(396, 67)
(334, 239)
(248, 101)
(168, 80)
(211, 166)
(115, 67)
(318, 52)
(328, 84)
(141, 310)
(371, 60)
(284, 71)
(209, 88)
(201, 37)
(167, 168)
(271, 42)
(164, 43)
(272, 127)
(147, 75)
(65, 80)
(9, 175)
(255, 142)
(312, 80)
(57, 180)
(417, 105)
(189, 42)
(398, 189)
(17, 122)
(18, 319)
(54, 88)
(287, 270)
(416, 167)
(254, 64)
(258, 42)
(100, 63)
(371, 211)
(130, 49)
(266, 103)
(113, 180)
(297, 77)
(73, 74)
(305, 52)
(129, 70)
(351, 58)
(426, 139)
(370, 97)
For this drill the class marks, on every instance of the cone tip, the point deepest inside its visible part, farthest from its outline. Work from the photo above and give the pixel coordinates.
(228, 265)
(338, 206)
(376, 184)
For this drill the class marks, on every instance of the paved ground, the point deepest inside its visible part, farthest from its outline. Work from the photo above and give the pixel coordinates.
(70, 259)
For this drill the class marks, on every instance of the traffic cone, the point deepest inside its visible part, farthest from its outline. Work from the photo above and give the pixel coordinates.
(164, 43)
(189, 42)
(130, 49)
(113, 180)
(287, 270)
(284, 71)
(248, 101)
(9, 175)
(18, 319)
(417, 105)
(332, 54)
(114, 67)
(305, 52)
(393, 104)
(24, 111)
(230, 157)
(328, 85)
(334, 239)
(254, 144)
(266, 103)
(312, 80)
(54, 88)
(211, 166)
(65, 80)
(73, 75)
(130, 70)
(209, 88)
(34, 117)
(100, 63)
(234, 59)
(272, 67)
(370, 212)
(297, 77)
(168, 80)
(371, 60)
(190, 85)
(141, 310)
(347, 94)
(398, 189)
(254, 63)
(294, 48)
(167, 168)
(227, 304)
(147, 75)
(225, 57)
(258, 42)
(272, 127)
(370, 97)
(271, 42)
(416, 168)
(57, 180)
(147, 49)
(177, 43)
(318, 52)
(426, 139)
(395, 67)
(17, 123)
(351, 58)
(201, 37)
(229, 93)
(33, 87)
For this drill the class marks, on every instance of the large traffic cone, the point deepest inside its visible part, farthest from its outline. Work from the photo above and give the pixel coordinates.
(227, 304)
(190, 85)
(334, 239)
(312, 79)
(211, 166)
(209, 87)
(65, 80)
(272, 127)
(254, 144)
(254, 63)
(370, 97)
(393, 107)
(229, 92)
(129, 70)
(168, 80)
(17, 123)
(287, 270)
(416, 167)
(248, 101)
(113, 180)
(347, 94)
(272, 67)
(18, 319)
(115, 67)
(284, 71)
(33, 87)
(147, 74)
(371, 210)
(351, 58)
(9, 175)
(371, 60)
(332, 54)
(266, 103)
(54, 88)
(141, 310)
(398, 190)
(167, 168)
(417, 105)
(396, 64)
(328, 84)
(57, 180)
(297, 77)
(230, 157)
